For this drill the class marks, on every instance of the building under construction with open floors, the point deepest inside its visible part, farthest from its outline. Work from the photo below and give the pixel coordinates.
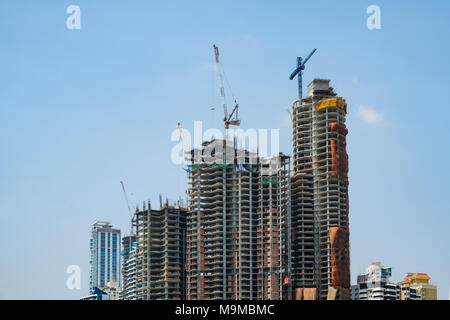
(129, 267)
(160, 253)
(237, 224)
(319, 186)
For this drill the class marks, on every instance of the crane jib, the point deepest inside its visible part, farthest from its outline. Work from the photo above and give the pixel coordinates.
(298, 72)
(294, 73)
(227, 117)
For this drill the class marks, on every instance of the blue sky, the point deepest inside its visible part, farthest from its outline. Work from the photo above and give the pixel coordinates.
(81, 110)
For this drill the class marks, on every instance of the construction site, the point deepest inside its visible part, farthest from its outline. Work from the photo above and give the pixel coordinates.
(255, 227)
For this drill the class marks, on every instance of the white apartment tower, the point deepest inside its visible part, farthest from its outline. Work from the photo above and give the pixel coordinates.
(375, 285)
(105, 255)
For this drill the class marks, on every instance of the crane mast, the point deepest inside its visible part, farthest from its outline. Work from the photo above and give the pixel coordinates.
(227, 117)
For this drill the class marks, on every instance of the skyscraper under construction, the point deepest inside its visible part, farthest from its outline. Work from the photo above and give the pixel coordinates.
(319, 187)
(237, 224)
(160, 253)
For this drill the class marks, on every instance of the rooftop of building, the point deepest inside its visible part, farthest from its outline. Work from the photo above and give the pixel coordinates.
(104, 226)
(99, 223)
(416, 276)
(319, 87)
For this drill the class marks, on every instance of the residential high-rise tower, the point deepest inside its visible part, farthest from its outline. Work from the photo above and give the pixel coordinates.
(105, 255)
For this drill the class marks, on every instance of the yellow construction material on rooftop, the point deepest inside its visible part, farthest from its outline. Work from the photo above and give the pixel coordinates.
(332, 102)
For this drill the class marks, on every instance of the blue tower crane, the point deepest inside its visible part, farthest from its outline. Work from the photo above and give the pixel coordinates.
(299, 71)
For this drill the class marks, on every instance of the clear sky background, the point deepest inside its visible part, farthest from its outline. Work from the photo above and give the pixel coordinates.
(81, 110)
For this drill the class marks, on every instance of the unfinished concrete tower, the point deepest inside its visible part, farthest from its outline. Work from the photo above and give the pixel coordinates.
(320, 234)
(129, 267)
(236, 220)
(273, 225)
(160, 253)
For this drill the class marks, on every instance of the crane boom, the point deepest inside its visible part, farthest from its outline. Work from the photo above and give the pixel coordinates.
(128, 205)
(219, 77)
(180, 128)
(299, 71)
(227, 117)
(126, 197)
(290, 114)
(309, 56)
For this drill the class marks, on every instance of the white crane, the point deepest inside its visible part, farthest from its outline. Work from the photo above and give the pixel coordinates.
(132, 216)
(227, 117)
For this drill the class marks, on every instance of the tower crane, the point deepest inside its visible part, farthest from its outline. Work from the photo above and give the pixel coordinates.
(299, 72)
(129, 208)
(228, 118)
(180, 128)
(290, 114)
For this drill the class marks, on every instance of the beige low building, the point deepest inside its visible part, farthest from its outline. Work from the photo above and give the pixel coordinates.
(420, 282)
